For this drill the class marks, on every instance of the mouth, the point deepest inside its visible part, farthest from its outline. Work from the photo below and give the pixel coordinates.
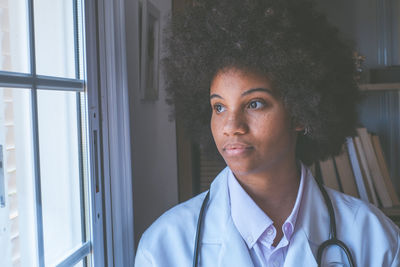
(236, 149)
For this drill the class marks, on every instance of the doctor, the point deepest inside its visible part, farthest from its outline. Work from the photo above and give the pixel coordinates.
(280, 84)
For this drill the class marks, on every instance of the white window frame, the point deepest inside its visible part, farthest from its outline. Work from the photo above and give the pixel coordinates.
(108, 99)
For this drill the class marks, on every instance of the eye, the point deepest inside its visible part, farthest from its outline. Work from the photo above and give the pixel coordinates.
(219, 108)
(256, 104)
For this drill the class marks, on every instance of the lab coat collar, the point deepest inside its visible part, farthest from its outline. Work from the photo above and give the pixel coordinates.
(313, 213)
(311, 229)
(312, 226)
(220, 229)
(217, 214)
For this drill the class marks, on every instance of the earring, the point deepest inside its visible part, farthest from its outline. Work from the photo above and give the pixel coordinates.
(307, 131)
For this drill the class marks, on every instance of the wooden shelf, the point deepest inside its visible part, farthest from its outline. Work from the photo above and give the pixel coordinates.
(379, 86)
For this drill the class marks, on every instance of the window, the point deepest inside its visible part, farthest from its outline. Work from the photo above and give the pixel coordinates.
(45, 188)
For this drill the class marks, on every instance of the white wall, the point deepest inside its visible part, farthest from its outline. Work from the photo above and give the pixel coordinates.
(155, 178)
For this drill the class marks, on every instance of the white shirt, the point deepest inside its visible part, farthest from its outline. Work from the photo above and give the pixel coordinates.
(257, 229)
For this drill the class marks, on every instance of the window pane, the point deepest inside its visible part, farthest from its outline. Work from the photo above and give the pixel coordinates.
(54, 40)
(14, 38)
(17, 212)
(80, 39)
(60, 173)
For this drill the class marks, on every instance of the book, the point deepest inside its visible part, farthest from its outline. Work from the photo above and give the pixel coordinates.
(345, 173)
(374, 168)
(384, 169)
(328, 174)
(355, 164)
(365, 171)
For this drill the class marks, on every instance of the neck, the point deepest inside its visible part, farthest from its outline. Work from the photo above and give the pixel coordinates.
(274, 190)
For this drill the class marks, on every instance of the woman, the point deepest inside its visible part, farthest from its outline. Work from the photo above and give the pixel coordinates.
(281, 87)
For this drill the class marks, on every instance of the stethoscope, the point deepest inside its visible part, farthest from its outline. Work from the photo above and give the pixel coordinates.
(333, 241)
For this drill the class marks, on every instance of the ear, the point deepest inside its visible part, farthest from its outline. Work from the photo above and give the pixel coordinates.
(299, 128)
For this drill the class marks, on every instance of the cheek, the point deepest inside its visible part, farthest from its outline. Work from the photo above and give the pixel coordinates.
(215, 129)
(272, 127)
(213, 126)
(265, 124)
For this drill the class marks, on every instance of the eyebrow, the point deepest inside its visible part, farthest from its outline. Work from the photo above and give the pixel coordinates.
(248, 92)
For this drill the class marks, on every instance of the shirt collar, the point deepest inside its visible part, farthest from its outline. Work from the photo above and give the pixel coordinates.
(291, 220)
(249, 219)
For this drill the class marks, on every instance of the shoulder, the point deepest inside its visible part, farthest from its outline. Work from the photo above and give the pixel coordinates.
(169, 241)
(360, 212)
(181, 217)
(359, 223)
(172, 231)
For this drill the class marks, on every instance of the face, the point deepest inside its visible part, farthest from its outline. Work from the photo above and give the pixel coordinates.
(250, 125)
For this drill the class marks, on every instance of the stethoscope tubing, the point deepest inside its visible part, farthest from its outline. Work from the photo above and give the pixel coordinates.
(333, 241)
(198, 230)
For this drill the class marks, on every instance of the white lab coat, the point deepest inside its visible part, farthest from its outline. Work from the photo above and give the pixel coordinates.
(372, 238)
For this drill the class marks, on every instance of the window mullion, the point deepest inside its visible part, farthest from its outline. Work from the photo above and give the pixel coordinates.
(55, 83)
(38, 191)
(81, 170)
(79, 120)
(75, 256)
(21, 80)
(35, 126)
(15, 80)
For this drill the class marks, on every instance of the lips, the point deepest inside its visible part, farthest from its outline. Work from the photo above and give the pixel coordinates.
(236, 149)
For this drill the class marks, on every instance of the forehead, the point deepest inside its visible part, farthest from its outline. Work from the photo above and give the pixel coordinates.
(228, 79)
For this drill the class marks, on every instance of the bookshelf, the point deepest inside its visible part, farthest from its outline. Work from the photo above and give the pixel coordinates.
(380, 113)
(379, 87)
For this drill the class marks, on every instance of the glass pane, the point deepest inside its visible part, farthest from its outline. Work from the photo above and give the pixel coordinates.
(54, 40)
(60, 173)
(80, 39)
(85, 162)
(17, 196)
(14, 37)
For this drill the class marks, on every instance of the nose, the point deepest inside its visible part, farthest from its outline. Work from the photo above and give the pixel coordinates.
(235, 124)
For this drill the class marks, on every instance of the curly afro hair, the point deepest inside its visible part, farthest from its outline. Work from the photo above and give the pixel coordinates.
(287, 40)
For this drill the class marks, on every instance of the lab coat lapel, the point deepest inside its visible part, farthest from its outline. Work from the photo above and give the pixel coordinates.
(312, 226)
(300, 252)
(220, 232)
(234, 251)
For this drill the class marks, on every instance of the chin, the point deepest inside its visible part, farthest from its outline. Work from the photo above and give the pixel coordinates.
(241, 168)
